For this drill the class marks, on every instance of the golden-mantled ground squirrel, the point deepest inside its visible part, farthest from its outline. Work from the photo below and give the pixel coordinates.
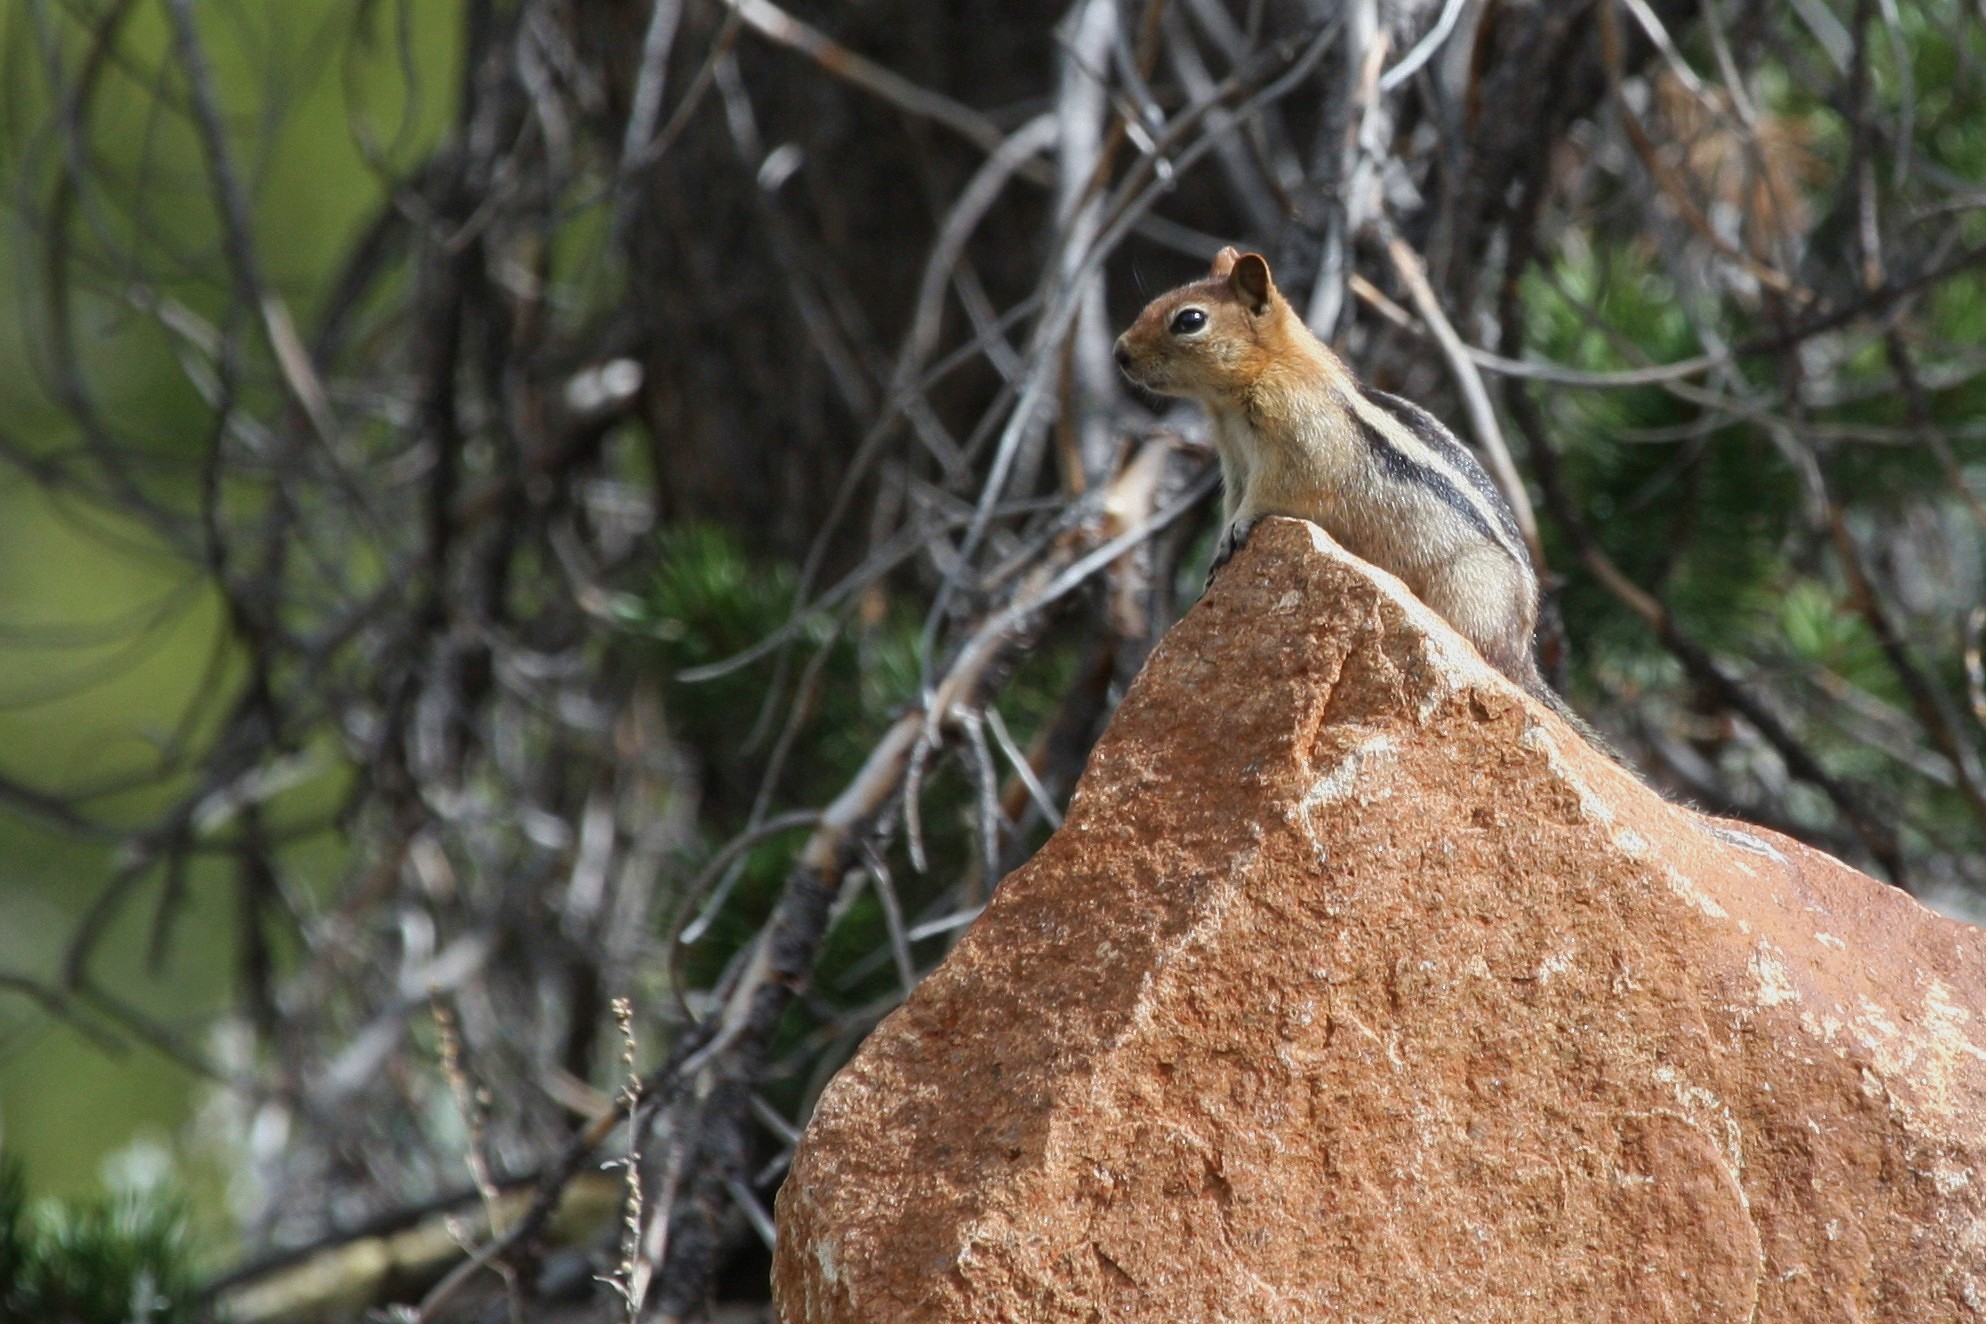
(1298, 434)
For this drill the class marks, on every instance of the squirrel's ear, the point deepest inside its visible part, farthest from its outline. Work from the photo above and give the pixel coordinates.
(1224, 262)
(1249, 277)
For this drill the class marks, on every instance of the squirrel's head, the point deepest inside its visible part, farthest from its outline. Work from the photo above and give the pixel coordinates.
(1208, 340)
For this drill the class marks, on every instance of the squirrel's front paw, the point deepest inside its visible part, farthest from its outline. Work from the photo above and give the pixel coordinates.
(1231, 540)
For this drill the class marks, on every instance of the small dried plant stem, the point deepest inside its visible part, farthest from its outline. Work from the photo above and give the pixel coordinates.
(471, 1101)
(630, 1277)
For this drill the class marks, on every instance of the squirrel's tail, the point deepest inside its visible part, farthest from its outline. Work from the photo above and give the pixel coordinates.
(1536, 686)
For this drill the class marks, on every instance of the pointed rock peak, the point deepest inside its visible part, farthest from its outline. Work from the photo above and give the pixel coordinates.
(1357, 987)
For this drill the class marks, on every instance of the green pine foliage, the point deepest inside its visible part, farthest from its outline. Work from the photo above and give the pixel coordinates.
(1715, 492)
(1695, 509)
(841, 676)
(119, 1259)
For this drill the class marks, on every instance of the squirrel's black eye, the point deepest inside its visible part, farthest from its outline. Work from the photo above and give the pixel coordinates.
(1188, 320)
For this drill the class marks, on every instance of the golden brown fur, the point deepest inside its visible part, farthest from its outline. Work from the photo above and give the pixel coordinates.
(1297, 434)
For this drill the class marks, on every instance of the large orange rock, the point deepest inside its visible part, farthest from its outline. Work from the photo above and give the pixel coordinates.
(1356, 987)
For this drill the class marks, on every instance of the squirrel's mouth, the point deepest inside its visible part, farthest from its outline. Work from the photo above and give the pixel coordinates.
(1141, 374)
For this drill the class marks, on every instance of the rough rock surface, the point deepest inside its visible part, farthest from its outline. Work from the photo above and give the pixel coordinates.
(1356, 987)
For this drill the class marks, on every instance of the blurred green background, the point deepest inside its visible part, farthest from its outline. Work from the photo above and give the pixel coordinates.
(107, 641)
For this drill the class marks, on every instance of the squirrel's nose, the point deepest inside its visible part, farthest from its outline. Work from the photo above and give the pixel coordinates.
(1123, 355)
